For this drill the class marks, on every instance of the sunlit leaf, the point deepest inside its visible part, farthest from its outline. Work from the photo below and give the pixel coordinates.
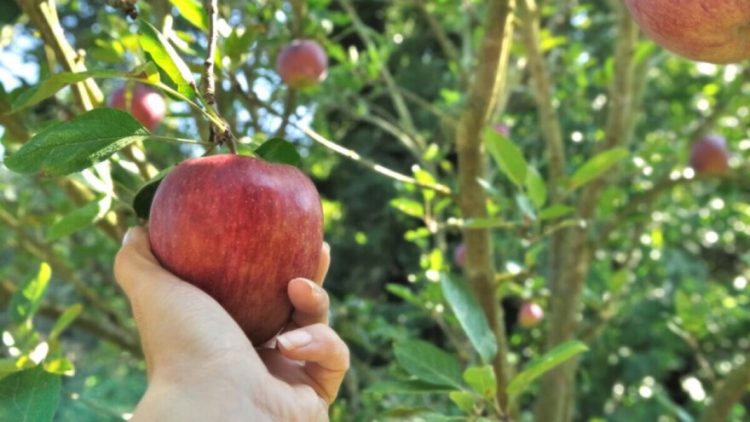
(470, 317)
(544, 364)
(67, 147)
(597, 166)
(26, 300)
(428, 363)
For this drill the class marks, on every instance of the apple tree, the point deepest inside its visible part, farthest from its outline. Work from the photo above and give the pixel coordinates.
(537, 210)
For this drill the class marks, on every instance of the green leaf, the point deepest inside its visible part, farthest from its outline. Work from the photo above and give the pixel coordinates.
(26, 300)
(80, 218)
(145, 195)
(535, 187)
(67, 318)
(507, 156)
(470, 317)
(596, 166)
(165, 56)
(9, 12)
(60, 366)
(555, 211)
(463, 399)
(193, 11)
(428, 363)
(8, 366)
(50, 86)
(407, 387)
(482, 380)
(408, 206)
(525, 206)
(543, 364)
(72, 146)
(29, 395)
(277, 150)
(403, 292)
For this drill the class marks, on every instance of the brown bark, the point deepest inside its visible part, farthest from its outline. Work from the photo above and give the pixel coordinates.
(487, 85)
(571, 251)
(728, 393)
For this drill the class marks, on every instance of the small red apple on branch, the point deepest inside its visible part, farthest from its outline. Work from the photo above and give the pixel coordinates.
(530, 314)
(716, 31)
(240, 229)
(709, 155)
(146, 105)
(302, 64)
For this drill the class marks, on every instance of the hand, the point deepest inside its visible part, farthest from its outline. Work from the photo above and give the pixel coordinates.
(202, 367)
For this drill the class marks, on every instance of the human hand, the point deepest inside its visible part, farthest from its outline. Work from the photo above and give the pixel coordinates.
(201, 365)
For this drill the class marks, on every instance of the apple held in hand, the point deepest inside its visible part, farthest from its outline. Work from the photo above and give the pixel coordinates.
(240, 229)
(302, 63)
(709, 155)
(530, 314)
(716, 31)
(146, 105)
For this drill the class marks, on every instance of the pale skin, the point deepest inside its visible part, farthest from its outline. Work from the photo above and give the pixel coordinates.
(200, 364)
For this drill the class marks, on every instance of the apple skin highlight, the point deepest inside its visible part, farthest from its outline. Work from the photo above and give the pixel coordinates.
(240, 229)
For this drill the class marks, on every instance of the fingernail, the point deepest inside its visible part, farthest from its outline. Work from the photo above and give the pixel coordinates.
(294, 339)
(127, 236)
(316, 290)
(327, 247)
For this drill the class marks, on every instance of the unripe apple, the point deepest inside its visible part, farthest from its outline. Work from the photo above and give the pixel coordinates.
(302, 63)
(240, 229)
(146, 105)
(459, 255)
(716, 31)
(530, 314)
(709, 155)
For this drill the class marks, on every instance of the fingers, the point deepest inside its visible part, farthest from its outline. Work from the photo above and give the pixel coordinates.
(325, 354)
(310, 302)
(175, 319)
(325, 262)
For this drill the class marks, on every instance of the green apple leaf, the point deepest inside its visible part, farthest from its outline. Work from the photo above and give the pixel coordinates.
(277, 150)
(26, 300)
(8, 366)
(507, 156)
(193, 11)
(543, 364)
(408, 206)
(597, 166)
(67, 147)
(145, 195)
(29, 395)
(407, 387)
(428, 363)
(68, 316)
(50, 86)
(464, 400)
(482, 380)
(555, 211)
(164, 55)
(80, 218)
(470, 316)
(535, 187)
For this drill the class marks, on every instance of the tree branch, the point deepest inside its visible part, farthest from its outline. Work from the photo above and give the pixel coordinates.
(728, 393)
(487, 85)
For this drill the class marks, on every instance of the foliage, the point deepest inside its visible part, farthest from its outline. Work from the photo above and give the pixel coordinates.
(665, 307)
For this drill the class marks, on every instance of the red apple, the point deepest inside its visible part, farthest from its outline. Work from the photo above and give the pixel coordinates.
(459, 255)
(530, 314)
(716, 31)
(709, 155)
(302, 63)
(146, 105)
(240, 229)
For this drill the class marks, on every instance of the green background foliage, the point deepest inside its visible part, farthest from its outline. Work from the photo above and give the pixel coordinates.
(665, 312)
